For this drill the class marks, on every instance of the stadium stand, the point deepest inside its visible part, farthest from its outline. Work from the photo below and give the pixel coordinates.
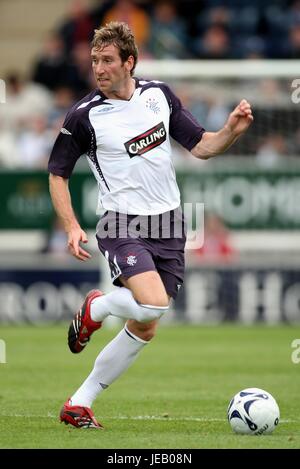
(46, 68)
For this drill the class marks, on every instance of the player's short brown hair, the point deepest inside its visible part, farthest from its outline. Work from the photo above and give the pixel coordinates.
(121, 36)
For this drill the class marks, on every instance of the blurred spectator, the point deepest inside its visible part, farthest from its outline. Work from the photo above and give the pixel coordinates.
(217, 244)
(271, 151)
(212, 113)
(54, 71)
(240, 23)
(276, 20)
(35, 143)
(293, 43)
(293, 13)
(134, 16)
(80, 78)
(248, 29)
(51, 69)
(253, 47)
(219, 15)
(283, 30)
(23, 100)
(56, 240)
(8, 143)
(63, 98)
(79, 26)
(168, 39)
(98, 11)
(214, 44)
(271, 92)
(198, 108)
(216, 116)
(295, 144)
(244, 20)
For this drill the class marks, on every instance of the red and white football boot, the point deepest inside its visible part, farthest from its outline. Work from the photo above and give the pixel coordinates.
(78, 416)
(83, 326)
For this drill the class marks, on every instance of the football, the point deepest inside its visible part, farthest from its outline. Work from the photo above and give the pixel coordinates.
(253, 411)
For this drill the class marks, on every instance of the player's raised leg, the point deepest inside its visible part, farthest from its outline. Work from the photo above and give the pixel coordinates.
(144, 299)
(121, 352)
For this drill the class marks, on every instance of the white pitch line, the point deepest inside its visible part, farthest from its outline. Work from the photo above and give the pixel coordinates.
(123, 417)
(167, 418)
(138, 417)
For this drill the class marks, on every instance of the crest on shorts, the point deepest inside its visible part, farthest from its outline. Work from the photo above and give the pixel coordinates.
(131, 259)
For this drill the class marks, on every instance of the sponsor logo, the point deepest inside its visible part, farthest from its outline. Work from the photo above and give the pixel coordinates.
(103, 386)
(146, 141)
(65, 131)
(108, 107)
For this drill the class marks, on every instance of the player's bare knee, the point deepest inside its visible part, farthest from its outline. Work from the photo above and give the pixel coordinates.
(145, 331)
(162, 302)
(148, 334)
(157, 301)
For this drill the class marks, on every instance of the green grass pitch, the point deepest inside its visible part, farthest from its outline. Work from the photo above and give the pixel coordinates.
(174, 396)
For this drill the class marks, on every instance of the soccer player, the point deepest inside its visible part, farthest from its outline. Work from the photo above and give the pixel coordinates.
(123, 128)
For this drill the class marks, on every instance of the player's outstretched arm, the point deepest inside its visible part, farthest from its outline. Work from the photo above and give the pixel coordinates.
(61, 199)
(214, 143)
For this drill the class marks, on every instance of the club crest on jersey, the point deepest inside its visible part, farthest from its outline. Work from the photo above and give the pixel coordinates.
(146, 141)
(153, 105)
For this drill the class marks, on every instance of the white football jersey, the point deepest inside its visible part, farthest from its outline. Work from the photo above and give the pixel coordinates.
(127, 144)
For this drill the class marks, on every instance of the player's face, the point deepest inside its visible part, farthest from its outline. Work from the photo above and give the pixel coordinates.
(111, 75)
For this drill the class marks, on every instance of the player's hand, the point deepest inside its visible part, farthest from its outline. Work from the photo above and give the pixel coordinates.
(240, 118)
(75, 237)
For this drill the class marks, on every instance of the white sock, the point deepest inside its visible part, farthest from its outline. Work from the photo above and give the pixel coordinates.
(111, 362)
(122, 304)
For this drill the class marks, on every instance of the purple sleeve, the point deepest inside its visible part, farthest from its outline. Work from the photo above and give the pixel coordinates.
(183, 126)
(72, 142)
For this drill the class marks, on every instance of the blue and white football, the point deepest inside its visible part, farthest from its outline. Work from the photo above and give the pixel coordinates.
(253, 411)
